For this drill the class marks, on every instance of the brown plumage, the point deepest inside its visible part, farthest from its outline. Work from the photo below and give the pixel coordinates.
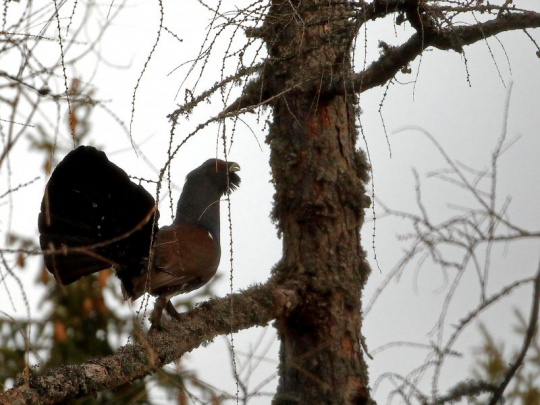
(94, 217)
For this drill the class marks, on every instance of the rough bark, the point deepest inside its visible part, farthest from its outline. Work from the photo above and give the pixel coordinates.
(319, 204)
(315, 292)
(257, 305)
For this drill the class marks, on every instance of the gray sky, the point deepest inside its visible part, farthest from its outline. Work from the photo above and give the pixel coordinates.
(465, 119)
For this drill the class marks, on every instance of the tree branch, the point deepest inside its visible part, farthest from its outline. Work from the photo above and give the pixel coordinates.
(453, 38)
(531, 332)
(255, 306)
(464, 389)
(252, 95)
(395, 58)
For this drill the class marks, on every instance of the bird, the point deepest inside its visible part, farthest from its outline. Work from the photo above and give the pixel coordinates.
(93, 217)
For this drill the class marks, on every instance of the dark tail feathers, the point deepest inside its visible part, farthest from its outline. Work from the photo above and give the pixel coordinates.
(95, 217)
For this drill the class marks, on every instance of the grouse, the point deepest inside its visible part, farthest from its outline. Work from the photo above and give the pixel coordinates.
(93, 217)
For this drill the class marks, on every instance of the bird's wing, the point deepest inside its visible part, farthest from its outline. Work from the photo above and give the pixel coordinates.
(185, 258)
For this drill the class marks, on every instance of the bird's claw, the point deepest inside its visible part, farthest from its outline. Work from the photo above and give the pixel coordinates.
(171, 310)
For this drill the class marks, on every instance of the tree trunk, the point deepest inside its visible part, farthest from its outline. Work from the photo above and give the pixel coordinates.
(319, 202)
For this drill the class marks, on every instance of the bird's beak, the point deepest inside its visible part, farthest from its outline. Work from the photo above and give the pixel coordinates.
(234, 167)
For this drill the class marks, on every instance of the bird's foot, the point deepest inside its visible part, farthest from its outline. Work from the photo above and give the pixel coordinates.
(171, 310)
(155, 317)
(156, 327)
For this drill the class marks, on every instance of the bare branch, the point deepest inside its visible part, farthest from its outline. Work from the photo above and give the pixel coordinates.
(255, 306)
(453, 38)
(531, 331)
(466, 388)
(394, 59)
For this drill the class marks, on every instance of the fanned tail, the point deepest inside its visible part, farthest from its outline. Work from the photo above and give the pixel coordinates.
(94, 217)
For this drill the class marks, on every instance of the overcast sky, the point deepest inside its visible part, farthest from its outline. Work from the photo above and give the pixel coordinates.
(465, 116)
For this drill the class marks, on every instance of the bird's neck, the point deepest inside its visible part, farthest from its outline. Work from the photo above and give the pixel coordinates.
(199, 205)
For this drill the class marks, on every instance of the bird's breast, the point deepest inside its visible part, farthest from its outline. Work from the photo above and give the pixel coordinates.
(186, 249)
(186, 257)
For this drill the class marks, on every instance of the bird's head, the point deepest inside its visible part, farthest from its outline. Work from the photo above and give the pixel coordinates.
(219, 174)
(204, 187)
